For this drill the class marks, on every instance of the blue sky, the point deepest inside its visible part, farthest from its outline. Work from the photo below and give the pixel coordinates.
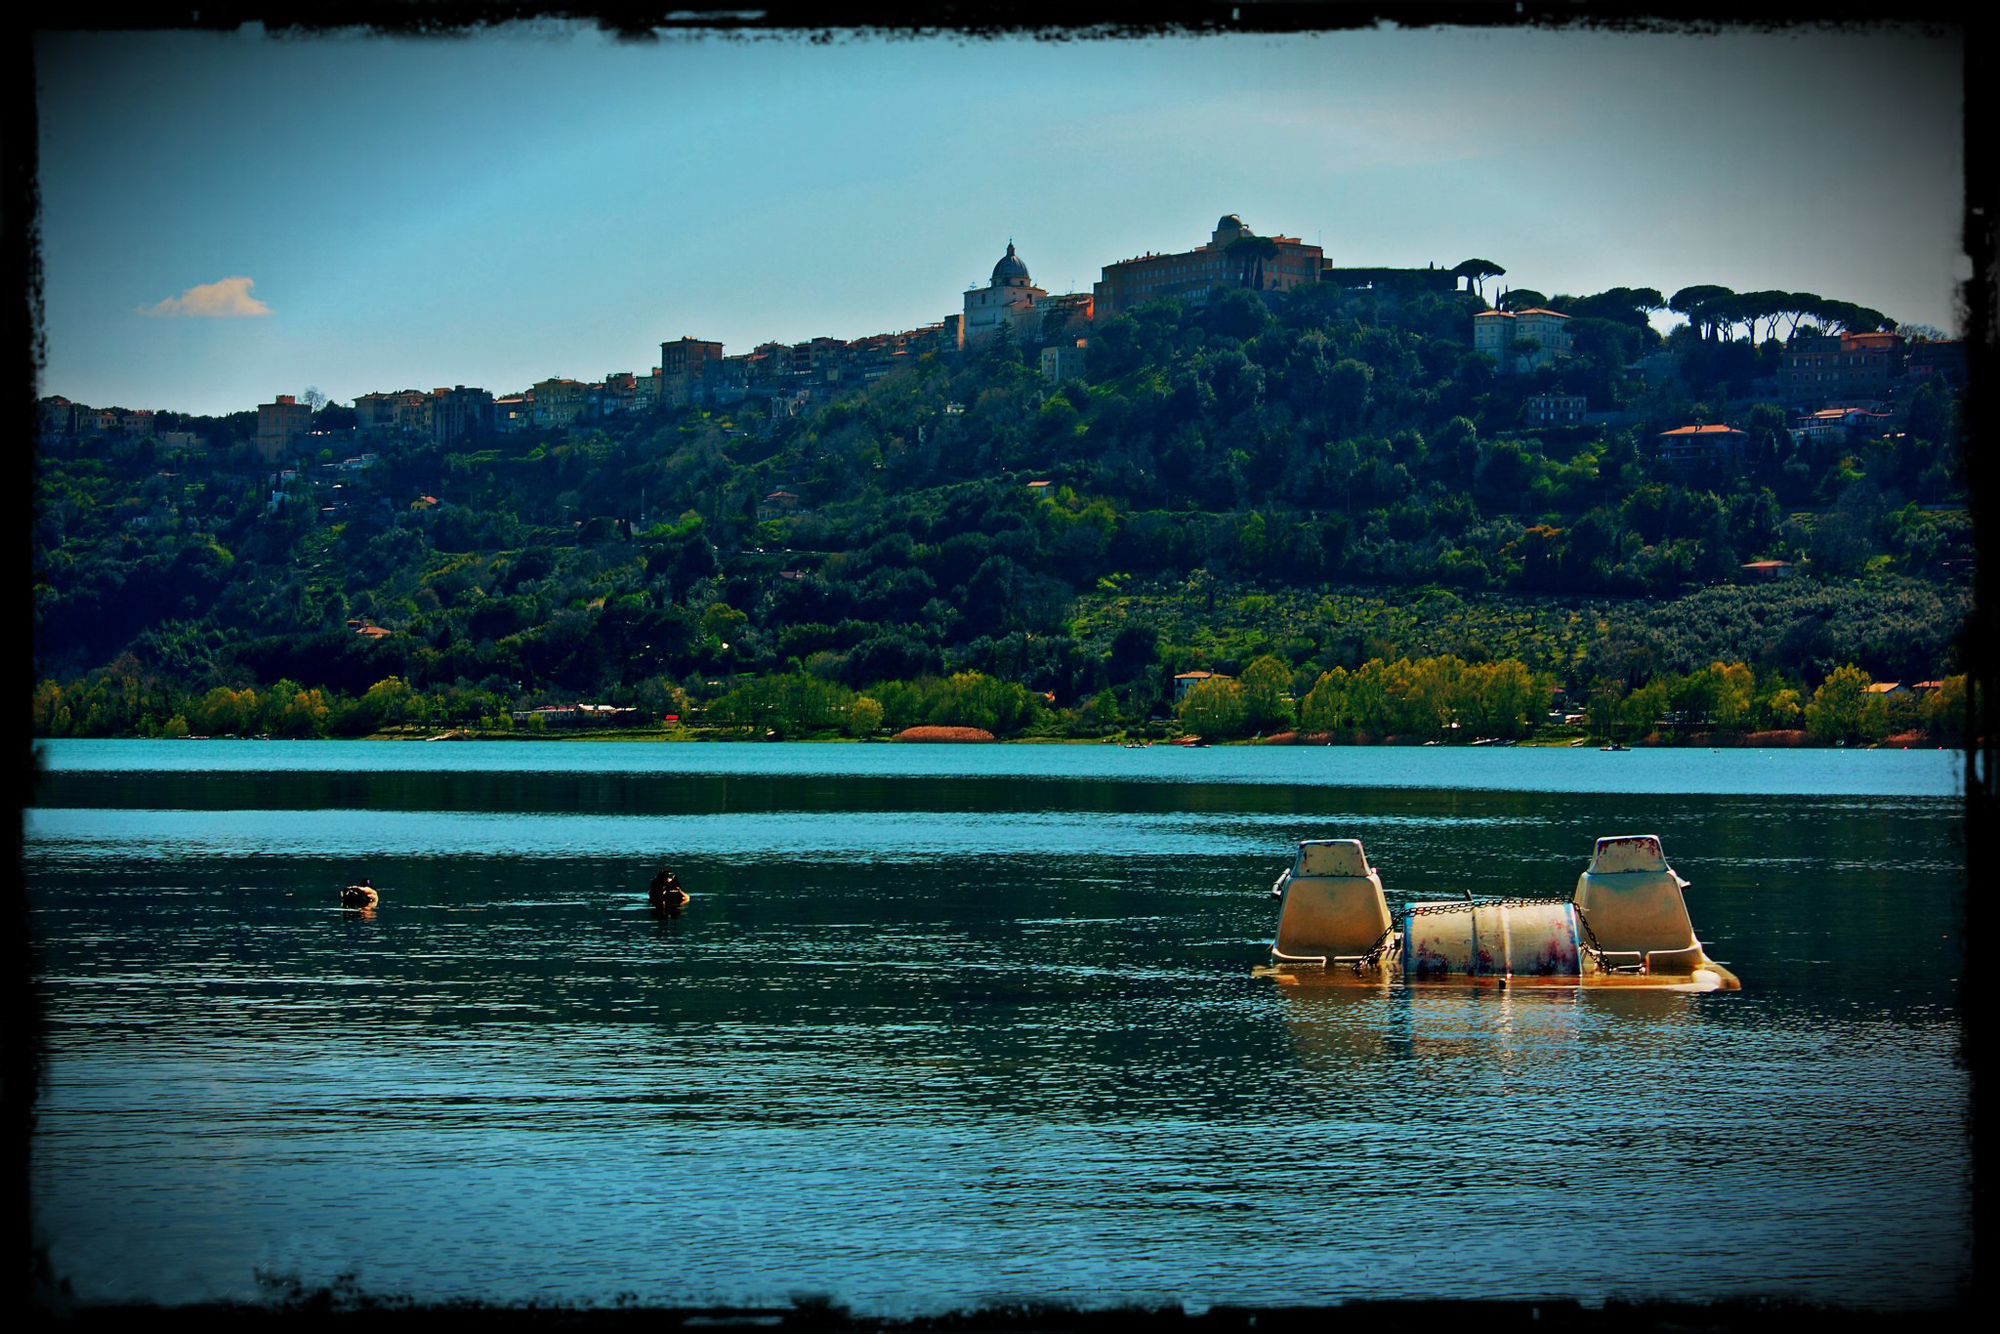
(493, 210)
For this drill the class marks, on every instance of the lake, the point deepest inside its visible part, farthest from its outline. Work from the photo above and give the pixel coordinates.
(947, 1027)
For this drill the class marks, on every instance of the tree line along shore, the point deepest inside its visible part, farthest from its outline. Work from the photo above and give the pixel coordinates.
(1424, 701)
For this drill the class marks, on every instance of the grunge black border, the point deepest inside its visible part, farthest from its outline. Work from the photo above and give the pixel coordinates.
(41, 1293)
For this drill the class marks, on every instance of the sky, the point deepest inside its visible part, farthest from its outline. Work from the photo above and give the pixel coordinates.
(228, 217)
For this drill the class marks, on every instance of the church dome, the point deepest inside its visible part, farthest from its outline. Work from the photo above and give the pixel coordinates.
(1010, 271)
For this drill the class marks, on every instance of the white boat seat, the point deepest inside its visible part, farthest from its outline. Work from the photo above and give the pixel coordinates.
(1631, 900)
(1334, 907)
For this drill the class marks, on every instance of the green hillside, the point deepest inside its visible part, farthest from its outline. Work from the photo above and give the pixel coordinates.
(1317, 481)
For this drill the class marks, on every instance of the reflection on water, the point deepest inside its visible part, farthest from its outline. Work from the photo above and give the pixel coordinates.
(922, 1043)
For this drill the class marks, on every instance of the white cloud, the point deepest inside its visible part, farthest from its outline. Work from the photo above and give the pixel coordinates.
(226, 299)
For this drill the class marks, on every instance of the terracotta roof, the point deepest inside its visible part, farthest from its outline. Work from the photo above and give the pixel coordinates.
(1703, 430)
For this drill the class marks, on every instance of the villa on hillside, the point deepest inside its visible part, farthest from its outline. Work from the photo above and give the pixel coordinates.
(1691, 445)
(1187, 681)
(1521, 340)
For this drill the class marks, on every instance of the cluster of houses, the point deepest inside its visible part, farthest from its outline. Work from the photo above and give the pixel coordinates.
(1835, 389)
(1844, 386)
(1833, 384)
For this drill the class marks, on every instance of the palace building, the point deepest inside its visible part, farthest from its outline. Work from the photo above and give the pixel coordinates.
(1507, 336)
(1233, 257)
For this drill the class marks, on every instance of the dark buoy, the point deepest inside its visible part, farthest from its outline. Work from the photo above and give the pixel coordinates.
(362, 895)
(665, 891)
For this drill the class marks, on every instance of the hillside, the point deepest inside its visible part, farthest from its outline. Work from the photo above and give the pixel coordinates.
(1318, 480)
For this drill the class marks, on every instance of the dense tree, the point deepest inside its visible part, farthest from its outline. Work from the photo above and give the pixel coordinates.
(1324, 709)
(1250, 254)
(1622, 305)
(1843, 710)
(1267, 705)
(1215, 708)
(1705, 307)
(1474, 273)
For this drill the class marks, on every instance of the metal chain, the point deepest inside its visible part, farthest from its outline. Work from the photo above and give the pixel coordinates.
(1375, 951)
(1599, 953)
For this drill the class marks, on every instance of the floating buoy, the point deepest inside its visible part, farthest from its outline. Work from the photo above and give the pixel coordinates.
(665, 891)
(362, 895)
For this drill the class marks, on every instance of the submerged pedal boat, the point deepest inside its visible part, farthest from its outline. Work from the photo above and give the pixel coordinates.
(1625, 926)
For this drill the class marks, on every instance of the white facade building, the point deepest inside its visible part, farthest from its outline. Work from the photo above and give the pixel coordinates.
(1010, 299)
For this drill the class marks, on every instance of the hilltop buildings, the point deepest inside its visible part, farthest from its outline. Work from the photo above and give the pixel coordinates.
(1233, 257)
(280, 425)
(787, 379)
(1842, 366)
(1008, 300)
(1521, 340)
(682, 364)
(442, 415)
(1012, 301)
(780, 380)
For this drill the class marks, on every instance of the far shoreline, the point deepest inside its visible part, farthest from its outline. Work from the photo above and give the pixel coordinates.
(689, 736)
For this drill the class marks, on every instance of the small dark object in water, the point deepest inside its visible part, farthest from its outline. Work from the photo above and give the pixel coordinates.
(362, 895)
(666, 891)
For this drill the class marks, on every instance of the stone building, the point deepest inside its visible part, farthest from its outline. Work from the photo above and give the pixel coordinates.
(381, 413)
(1841, 367)
(282, 426)
(1699, 446)
(1500, 334)
(558, 402)
(1062, 361)
(682, 365)
(1554, 409)
(1009, 299)
(1233, 257)
(459, 413)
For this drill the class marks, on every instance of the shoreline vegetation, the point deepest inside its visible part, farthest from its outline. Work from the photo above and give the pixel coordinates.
(1557, 739)
(1782, 740)
(1425, 701)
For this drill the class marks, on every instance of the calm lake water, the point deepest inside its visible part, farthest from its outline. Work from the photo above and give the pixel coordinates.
(953, 1026)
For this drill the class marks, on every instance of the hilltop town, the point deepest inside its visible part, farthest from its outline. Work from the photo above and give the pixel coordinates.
(1826, 381)
(1235, 475)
